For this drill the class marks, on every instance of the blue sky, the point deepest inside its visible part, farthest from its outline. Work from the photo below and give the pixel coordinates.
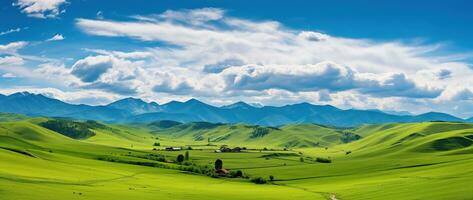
(398, 55)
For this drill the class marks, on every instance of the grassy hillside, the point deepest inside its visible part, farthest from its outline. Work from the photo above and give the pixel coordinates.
(394, 161)
(5, 117)
(290, 136)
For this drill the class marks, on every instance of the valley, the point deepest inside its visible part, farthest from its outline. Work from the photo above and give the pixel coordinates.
(426, 160)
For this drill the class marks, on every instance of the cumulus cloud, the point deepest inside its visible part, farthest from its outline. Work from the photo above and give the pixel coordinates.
(222, 65)
(323, 76)
(91, 68)
(12, 48)
(397, 85)
(462, 95)
(41, 8)
(111, 73)
(56, 37)
(175, 88)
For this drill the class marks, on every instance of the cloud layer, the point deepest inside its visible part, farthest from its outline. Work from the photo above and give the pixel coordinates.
(208, 54)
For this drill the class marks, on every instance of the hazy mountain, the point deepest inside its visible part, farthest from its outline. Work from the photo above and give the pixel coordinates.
(392, 112)
(131, 110)
(40, 105)
(470, 120)
(35, 104)
(435, 116)
(238, 105)
(135, 106)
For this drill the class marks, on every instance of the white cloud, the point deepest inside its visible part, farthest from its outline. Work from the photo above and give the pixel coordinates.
(12, 48)
(56, 37)
(323, 76)
(113, 74)
(313, 36)
(10, 31)
(8, 75)
(121, 54)
(11, 61)
(41, 8)
(194, 17)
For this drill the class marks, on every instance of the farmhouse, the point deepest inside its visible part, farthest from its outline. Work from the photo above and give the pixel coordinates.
(225, 149)
(222, 172)
(173, 148)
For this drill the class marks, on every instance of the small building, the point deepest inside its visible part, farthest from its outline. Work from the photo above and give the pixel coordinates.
(225, 149)
(173, 148)
(236, 149)
(222, 172)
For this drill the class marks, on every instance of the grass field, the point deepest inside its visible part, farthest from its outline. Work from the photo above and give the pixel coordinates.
(430, 160)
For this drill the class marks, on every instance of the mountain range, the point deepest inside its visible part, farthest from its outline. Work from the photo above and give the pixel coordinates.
(132, 110)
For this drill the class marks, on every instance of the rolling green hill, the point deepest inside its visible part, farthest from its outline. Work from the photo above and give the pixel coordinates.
(300, 135)
(429, 160)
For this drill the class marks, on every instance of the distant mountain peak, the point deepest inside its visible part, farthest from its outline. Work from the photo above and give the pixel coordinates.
(239, 104)
(128, 100)
(134, 105)
(21, 94)
(433, 113)
(193, 100)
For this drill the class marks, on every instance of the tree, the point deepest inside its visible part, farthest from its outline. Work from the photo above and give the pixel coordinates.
(301, 159)
(186, 156)
(157, 144)
(218, 164)
(180, 158)
(271, 178)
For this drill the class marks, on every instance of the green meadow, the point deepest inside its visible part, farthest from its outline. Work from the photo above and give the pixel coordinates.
(90, 160)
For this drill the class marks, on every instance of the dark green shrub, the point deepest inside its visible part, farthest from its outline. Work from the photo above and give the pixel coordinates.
(259, 132)
(271, 178)
(349, 137)
(236, 174)
(259, 180)
(157, 144)
(180, 158)
(323, 160)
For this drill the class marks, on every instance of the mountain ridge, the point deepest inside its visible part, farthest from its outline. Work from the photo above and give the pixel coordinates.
(133, 110)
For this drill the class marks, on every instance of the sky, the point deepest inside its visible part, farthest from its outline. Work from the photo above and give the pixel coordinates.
(413, 56)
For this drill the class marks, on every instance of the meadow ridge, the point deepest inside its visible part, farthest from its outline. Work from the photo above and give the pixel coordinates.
(428, 160)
